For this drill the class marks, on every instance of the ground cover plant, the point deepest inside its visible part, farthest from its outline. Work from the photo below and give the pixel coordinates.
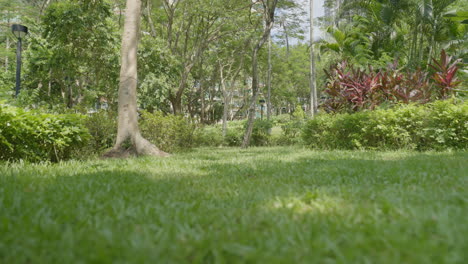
(260, 205)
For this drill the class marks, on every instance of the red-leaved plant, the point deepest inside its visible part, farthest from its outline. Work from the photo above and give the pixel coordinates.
(356, 89)
(445, 74)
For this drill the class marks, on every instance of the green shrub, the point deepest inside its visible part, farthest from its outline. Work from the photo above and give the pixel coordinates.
(298, 113)
(234, 137)
(260, 132)
(103, 129)
(281, 119)
(36, 136)
(439, 125)
(209, 136)
(170, 133)
(291, 133)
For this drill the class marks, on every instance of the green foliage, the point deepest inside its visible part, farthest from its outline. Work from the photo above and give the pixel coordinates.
(291, 128)
(445, 74)
(211, 136)
(234, 137)
(102, 127)
(157, 72)
(36, 136)
(7, 85)
(290, 71)
(350, 88)
(72, 55)
(298, 113)
(170, 133)
(439, 125)
(291, 132)
(281, 119)
(260, 132)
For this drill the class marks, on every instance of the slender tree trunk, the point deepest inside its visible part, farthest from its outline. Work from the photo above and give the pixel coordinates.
(269, 16)
(202, 106)
(287, 40)
(432, 43)
(337, 13)
(225, 114)
(421, 47)
(6, 57)
(128, 117)
(253, 102)
(269, 80)
(313, 89)
(225, 99)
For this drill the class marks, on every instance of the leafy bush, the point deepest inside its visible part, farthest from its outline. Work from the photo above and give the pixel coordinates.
(234, 137)
(291, 130)
(260, 132)
(438, 125)
(211, 136)
(281, 119)
(445, 74)
(35, 136)
(291, 133)
(169, 133)
(352, 89)
(103, 129)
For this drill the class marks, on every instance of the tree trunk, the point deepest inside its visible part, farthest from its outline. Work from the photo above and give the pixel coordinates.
(287, 41)
(253, 102)
(225, 99)
(202, 104)
(128, 117)
(269, 80)
(421, 47)
(176, 102)
(7, 49)
(225, 115)
(313, 89)
(269, 16)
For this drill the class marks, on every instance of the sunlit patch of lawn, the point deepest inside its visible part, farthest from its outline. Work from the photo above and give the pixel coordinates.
(227, 205)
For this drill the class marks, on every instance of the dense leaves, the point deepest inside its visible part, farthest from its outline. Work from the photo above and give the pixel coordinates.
(445, 75)
(352, 89)
(438, 125)
(35, 136)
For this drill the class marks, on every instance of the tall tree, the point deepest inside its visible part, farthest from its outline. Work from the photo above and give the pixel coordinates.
(128, 129)
(267, 9)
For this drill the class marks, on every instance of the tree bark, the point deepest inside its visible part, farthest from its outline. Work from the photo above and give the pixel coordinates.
(253, 102)
(128, 129)
(269, 80)
(313, 89)
(7, 43)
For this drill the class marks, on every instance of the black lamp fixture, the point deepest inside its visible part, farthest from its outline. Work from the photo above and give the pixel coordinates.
(20, 32)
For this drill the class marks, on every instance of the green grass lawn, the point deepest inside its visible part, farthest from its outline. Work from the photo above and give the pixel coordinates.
(261, 205)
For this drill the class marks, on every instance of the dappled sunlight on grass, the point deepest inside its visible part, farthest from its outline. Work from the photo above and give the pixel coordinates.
(260, 205)
(310, 203)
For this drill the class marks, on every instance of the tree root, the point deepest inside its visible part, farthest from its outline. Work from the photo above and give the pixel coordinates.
(140, 147)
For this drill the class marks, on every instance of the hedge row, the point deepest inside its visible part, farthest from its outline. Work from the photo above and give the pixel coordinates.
(435, 126)
(35, 136)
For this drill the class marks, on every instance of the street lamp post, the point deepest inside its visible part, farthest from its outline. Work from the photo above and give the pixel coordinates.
(262, 104)
(20, 32)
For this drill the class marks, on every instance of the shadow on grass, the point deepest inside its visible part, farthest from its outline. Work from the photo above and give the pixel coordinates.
(308, 208)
